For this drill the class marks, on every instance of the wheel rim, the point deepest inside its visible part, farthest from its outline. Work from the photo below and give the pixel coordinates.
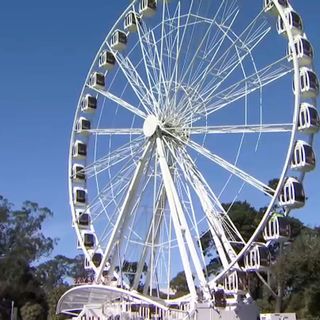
(183, 138)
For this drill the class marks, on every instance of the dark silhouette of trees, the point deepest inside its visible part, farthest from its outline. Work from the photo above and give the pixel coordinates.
(36, 287)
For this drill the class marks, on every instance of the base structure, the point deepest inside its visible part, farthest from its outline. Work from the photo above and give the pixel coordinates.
(100, 302)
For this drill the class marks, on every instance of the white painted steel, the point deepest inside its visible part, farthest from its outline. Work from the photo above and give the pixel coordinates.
(154, 139)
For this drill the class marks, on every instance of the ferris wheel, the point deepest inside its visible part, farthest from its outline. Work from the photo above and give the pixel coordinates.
(188, 108)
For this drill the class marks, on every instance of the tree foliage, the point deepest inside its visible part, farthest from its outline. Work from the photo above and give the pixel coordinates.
(298, 271)
(22, 243)
(34, 287)
(295, 272)
(179, 285)
(32, 311)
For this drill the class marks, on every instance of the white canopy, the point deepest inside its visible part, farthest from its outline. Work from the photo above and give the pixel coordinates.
(73, 301)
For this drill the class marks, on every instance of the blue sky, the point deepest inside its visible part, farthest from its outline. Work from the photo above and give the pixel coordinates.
(46, 49)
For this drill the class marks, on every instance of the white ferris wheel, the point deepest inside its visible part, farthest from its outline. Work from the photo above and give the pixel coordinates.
(189, 107)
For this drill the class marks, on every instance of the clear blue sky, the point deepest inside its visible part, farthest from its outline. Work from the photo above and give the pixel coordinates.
(46, 49)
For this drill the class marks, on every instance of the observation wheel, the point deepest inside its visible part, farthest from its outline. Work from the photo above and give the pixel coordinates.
(188, 108)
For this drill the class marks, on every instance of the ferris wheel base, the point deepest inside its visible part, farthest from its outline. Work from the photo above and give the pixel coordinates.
(244, 313)
(240, 312)
(101, 302)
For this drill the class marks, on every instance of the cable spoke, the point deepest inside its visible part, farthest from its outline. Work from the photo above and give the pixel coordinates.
(211, 207)
(126, 207)
(198, 50)
(232, 168)
(115, 131)
(148, 50)
(120, 102)
(250, 128)
(113, 158)
(244, 87)
(144, 95)
(226, 165)
(227, 67)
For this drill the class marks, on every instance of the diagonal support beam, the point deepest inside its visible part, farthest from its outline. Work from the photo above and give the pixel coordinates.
(180, 226)
(153, 233)
(125, 210)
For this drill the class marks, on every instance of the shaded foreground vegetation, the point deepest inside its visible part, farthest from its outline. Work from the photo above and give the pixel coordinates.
(36, 287)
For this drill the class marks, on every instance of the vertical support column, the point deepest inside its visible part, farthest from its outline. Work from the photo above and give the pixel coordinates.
(178, 225)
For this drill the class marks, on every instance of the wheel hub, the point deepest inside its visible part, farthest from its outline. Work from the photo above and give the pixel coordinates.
(150, 125)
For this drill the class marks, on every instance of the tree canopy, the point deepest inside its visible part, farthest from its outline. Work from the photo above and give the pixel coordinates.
(31, 284)
(35, 282)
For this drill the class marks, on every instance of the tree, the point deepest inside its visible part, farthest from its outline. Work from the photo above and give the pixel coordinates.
(179, 285)
(53, 297)
(53, 273)
(34, 287)
(245, 217)
(31, 311)
(22, 243)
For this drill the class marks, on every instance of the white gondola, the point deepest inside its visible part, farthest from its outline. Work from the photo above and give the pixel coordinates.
(309, 120)
(78, 173)
(271, 8)
(107, 60)
(83, 220)
(88, 103)
(277, 229)
(303, 50)
(258, 258)
(130, 22)
(303, 157)
(119, 40)
(97, 80)
(79, 150)
(294, 21)
(236, 283)
(309, 84)
(96, 259)
(89, 240)
(148, 7)
(83, 125)
(292, 195)
(79, 196)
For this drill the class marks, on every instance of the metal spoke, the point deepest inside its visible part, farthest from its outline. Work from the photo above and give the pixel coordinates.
(232, 169)
(227, 166)
(113, 158)
(115, 131)
(145, 97)
(220, 224)
(250, 128)
(120, 102)
(180, 223)
(227, 67)
(125, 209)
(244, 87)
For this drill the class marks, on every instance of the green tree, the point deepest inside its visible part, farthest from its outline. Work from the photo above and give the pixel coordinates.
(54, 273)
(30, 284)
(22, 243)
(53, 297)
(32, 311)
(245, 217)
(179, 285)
